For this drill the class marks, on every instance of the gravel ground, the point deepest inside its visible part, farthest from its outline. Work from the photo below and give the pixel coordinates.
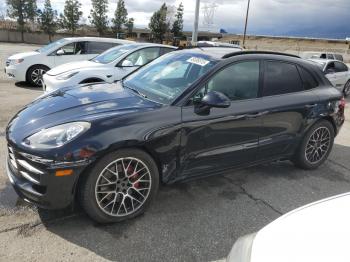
(194, 221)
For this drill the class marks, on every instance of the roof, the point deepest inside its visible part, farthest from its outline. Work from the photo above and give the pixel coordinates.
(99, 39)
(215, 52)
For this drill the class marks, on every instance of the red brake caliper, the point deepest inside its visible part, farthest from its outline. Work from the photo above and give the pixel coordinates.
(133, 177)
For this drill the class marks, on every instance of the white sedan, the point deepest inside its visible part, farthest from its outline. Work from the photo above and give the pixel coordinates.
(318, 232)
(31, 66)
(337, 73)
(110, 66)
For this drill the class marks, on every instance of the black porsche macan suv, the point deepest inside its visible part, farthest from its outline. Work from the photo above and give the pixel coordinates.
(190, 113)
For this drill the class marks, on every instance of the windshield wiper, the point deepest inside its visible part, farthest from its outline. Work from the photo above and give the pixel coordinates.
(134, 90)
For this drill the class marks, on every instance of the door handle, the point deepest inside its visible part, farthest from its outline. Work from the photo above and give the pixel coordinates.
(310, 106)
(258, 114)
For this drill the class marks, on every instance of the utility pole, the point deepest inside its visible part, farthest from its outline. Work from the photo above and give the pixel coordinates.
(246, 23)
(195, 26)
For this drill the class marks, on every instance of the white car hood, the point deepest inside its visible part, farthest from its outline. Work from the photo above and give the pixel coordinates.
(318, 232)
(24, 55)
(78, 65)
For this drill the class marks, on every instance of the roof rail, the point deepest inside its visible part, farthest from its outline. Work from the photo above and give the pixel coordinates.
(258, 52)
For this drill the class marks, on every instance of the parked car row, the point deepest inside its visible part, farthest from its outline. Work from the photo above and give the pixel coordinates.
(31, 66)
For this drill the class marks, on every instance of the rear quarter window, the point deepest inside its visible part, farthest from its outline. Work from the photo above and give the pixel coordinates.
(309, 81)
(281, 78)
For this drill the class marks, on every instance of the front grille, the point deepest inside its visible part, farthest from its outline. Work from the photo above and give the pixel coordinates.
(22, 168)
(7, 62)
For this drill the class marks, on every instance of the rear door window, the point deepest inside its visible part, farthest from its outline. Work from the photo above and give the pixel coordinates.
(340, 67)
(99, 47)
(281, 78)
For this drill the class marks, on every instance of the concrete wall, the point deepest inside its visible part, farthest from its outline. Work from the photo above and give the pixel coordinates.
(40, 38)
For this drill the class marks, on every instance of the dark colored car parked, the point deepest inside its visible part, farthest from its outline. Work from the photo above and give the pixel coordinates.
(190, 113)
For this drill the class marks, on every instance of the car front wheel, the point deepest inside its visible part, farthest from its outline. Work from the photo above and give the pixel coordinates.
(316, 146)
(120, 186)
(35, 75)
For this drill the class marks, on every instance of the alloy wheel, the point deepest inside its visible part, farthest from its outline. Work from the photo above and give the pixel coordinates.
(318, 145)
(123, 187)
(37, 76)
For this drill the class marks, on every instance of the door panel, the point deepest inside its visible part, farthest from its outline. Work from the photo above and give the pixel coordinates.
(223, 139)
(283, 125)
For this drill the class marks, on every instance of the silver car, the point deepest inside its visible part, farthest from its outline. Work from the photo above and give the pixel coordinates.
(337, 72)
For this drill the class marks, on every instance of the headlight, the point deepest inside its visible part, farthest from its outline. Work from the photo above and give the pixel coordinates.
(66, 76)
(56, 136)
(16, 61)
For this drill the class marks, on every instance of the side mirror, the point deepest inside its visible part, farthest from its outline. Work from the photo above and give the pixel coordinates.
(212, 99)
(127, 63)
(216, 99)
(60, 52)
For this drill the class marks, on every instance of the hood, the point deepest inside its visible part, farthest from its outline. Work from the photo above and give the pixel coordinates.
(78, 103)
(78, 65)
(316, 232)
(24, 55)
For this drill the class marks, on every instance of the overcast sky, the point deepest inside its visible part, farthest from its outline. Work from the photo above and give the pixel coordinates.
(314, 18)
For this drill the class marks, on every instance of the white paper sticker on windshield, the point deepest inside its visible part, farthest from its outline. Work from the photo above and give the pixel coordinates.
(198, 61)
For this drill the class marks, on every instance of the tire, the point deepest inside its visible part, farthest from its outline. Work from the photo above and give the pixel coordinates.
(35, 75)
(306, 156)
(121, 197)
(346, 90)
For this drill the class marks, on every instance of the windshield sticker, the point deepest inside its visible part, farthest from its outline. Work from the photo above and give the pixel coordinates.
(198, 61)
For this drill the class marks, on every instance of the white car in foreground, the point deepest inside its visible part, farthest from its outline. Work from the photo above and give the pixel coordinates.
(318, 232)
(31, 66)
(109, 66)
(337, 73)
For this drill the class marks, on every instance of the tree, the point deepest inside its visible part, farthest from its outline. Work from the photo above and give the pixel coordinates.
(98, 15)
(120, 17)
(179, 22)
(71, 15)
(31, 10)
(130, 25)
(22, 11)
(48, 19)
(158, 24)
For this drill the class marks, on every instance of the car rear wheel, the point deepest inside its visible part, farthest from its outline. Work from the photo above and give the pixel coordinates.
(316, 146)
(35, 75)
(346, 90)
(120, 186)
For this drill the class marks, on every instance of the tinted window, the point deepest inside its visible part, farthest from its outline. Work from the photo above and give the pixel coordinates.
(238, 81)
(281, 78)
(330, 56)
(165, 50)
(143, 56)
(309, 81)
(339, 57)
(340, 67)
(99, 47)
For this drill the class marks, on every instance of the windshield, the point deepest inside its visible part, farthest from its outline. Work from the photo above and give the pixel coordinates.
(52, 45)
(167, 77)
(112, 54)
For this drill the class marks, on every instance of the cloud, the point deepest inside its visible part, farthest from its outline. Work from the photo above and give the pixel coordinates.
(276, 17)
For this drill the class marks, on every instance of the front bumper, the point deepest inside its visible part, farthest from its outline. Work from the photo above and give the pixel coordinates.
(51, 83)
(37, 183)
(14, 73)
